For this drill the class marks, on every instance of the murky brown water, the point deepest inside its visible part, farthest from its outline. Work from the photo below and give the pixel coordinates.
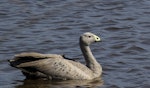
(54, 26)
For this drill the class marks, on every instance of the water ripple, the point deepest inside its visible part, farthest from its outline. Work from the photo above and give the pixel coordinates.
(54, 26)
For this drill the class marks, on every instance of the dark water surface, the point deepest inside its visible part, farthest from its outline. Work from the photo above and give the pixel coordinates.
(54, 26)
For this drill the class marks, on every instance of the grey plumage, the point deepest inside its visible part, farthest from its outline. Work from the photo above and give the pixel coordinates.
(53, 66)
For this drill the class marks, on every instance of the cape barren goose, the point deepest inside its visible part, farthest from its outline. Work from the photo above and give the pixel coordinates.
(54, 66)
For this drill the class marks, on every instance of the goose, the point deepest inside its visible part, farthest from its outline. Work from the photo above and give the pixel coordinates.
(55, 66)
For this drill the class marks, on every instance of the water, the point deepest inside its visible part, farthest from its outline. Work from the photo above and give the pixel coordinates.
(54, 26)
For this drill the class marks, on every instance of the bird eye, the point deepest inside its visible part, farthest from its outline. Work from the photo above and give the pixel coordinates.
(89, 36)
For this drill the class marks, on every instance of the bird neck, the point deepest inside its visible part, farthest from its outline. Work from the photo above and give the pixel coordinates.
(90, 59)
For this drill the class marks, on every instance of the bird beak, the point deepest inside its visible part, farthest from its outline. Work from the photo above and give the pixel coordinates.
(97, 39)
